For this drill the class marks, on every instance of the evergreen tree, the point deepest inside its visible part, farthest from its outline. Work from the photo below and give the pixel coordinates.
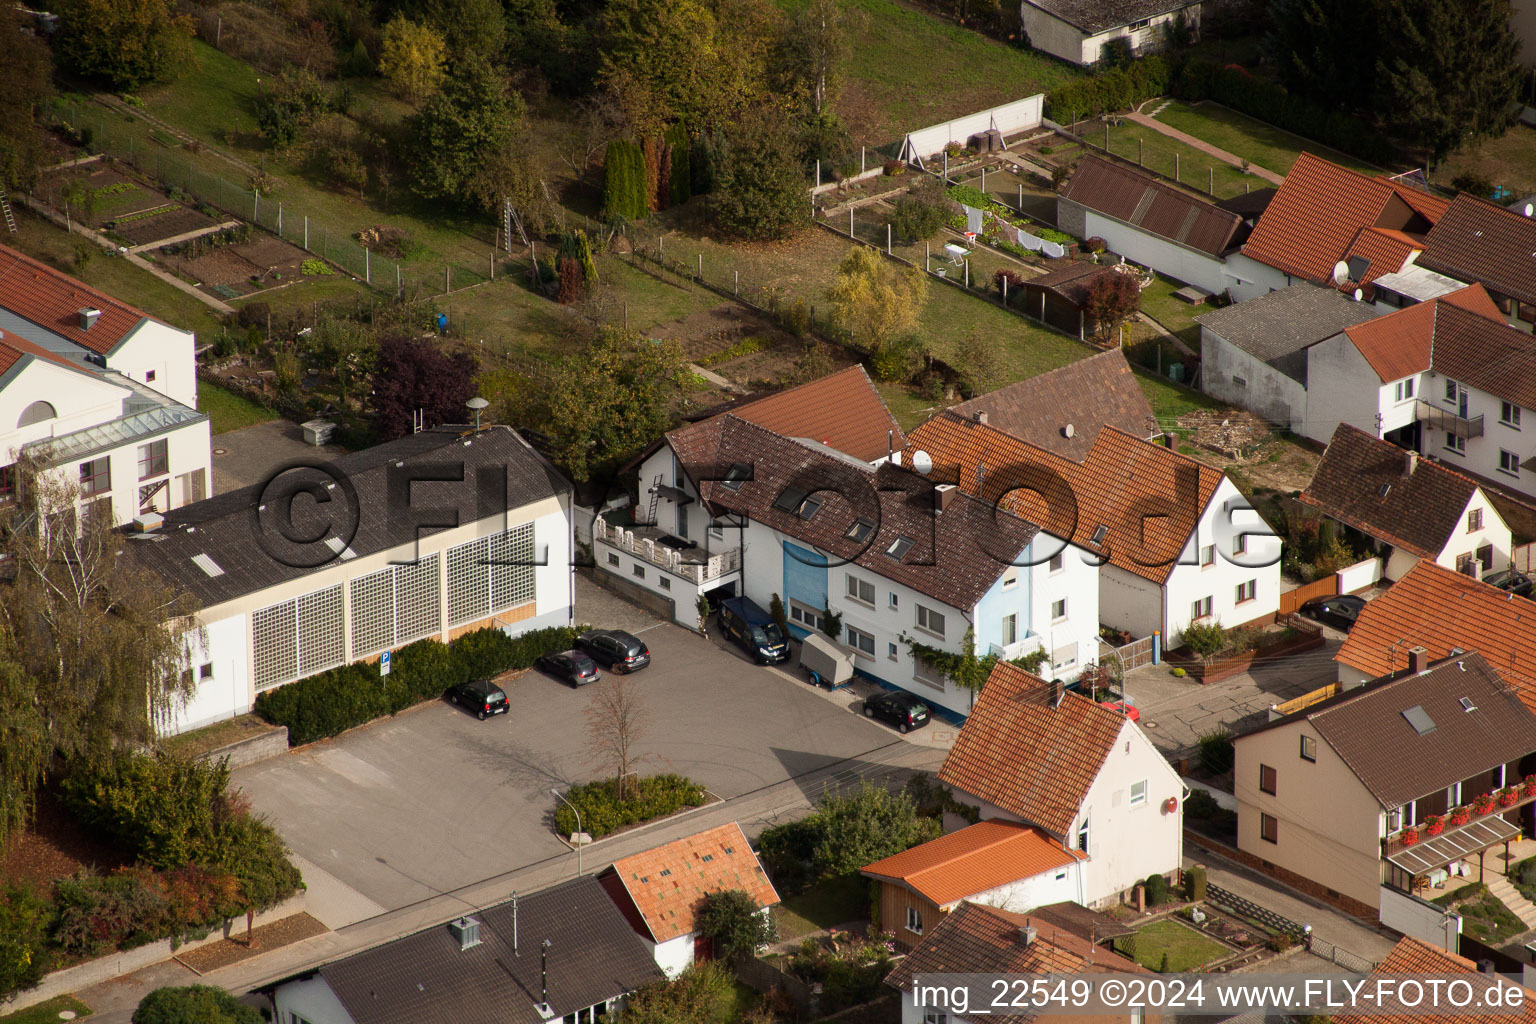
(760, 189)
(1324, 49)
(1452, 74)
(458, 130)
(682, 172)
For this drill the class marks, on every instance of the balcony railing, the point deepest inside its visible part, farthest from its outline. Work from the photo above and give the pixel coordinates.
(1440, 419)
(1393, 844)
(649, 543)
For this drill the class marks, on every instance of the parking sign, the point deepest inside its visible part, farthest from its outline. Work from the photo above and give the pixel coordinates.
(384, 664)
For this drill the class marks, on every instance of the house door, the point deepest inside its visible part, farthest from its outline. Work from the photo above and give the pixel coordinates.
(703, 948)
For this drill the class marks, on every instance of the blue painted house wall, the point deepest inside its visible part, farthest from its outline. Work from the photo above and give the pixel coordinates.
(805, 580)
(999, 602)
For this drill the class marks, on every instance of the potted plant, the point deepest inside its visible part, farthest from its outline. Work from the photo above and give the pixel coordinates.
(1509, 796)
(1483, 803)
(1435, 825)
(1408, 836)
(1460, 816)
(1528, 787)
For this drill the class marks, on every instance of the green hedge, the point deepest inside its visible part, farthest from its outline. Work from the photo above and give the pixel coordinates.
(1107, 92)
(1205, 79)
(334, 701)
(602, 813)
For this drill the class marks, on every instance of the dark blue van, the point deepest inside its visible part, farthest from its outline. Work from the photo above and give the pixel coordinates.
(753, 630)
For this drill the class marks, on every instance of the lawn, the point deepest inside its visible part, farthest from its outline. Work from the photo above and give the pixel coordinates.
(1483, 915)
(1170, 401)
(1175, 314)
(47, 1012)
(1263, 144)
(1509, 160)
(227, 410)
(1157, 153)
(1186, 949)
(827, 904)
(908, 69)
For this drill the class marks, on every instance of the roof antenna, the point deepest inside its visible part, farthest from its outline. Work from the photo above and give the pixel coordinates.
(890, 442)
(515, 951)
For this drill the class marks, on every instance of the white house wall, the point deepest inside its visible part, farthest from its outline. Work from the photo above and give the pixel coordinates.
(79, 400)
(1190, 581)
(1237, 377)
(1058, 885)
(1060, 39)
(674, 955)
(162, 357)
(1143, 40)
(1168, 258)
(1482, 454)
(1342, 388)
(311, 1001)
(1247, 278)
(1494, 534)
(225, 692)
(1126, 843)
(1129, 602)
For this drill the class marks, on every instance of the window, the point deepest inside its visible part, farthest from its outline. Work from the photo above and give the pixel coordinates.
(1010, 629)
(1404, 390)
(1269, 828)
(1208, 556)
(1058, 561)
(1474, 520)
(7, 483)
(1309, 749)
(664, 581)
(926, 674)
(716, 532)
(1058, 610)
(861, 641)
(152, 459)
(1138, 793)
(1247, 591)
(95, 477)
(914, 921)
(893, 600)
(1241, 382)
(295, 638)
(736, 476)
(930, 621)
(1455, 443)
(149, 376)
(193, 486)
(899, 548)
(639, 570)
(1452, 392)
(805, 615)
(1266, 779)
(890, 651)
(1099, 532)
(1082, 834)
(1509, 463)
(1464, 564)
(861, 591)
(1509, 414)
(1201, 608)
(1010, 580)
(205, 671)
(613, 559)
(860, 530)
(1143, 23)
(935, 1017)
(1240, 544)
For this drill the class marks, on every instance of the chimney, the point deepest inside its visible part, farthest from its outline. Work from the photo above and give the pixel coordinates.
(467, 931)
(88, 317)
(1028, 934)
(980, 416)
(1055, 693)
(1168, 441)
(1418, 660)
(943, 495)
(1413, 462)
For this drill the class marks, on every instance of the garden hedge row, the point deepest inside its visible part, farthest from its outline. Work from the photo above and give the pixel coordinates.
(1105, 93)
(336, 700)
(650, 797)
(1202, 79)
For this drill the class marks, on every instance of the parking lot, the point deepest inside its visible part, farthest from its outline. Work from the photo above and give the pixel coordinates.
(434, 800)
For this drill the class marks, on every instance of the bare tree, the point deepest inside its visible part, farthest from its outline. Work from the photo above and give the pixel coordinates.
(616, 720)
(597, 122)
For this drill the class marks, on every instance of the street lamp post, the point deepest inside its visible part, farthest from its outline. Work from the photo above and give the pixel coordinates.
(580, 830)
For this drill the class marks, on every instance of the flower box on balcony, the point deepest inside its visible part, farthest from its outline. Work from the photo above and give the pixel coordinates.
(1528, 786)
(1435, 825)
(1408, 836)
(1460, 816)
(1483, 803)
(1509, 796)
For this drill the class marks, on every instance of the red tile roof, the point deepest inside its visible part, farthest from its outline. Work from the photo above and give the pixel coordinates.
(1415, 956)
(1403, 343)
(974, 860)
(1386, 250)
(1443, 611)
(668, 884)
(1032, 760)
(1148, 497)
(1483, 351)
(978, 939)
(52, 299)
(1319, 212)
(1480, 241)
(841, 410)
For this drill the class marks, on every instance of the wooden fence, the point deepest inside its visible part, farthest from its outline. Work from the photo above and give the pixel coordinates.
(1292, 600)
(1523, 557)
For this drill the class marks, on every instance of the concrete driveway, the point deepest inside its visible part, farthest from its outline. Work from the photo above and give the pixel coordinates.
(434, 800)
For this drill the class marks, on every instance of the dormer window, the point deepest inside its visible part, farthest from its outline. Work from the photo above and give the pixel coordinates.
(736, 476)
(789, 499)
(899, 548)
(860, 530)
(1099, 533)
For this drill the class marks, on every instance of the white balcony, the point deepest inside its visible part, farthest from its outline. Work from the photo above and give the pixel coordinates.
(669, 552)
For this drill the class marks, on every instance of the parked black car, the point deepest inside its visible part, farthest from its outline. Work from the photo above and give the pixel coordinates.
(745, 623)
(894, 707)
(1512, 580)
(572, 666)
(615, 649)
(481, 697)
(1339, 612)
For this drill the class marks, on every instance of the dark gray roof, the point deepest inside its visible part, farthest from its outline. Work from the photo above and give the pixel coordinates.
(1367, 728)
(238, 532)
(1093, 16)
(1280, 326)
(427, 978)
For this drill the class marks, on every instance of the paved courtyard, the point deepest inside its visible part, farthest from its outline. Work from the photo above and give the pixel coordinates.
(434, 800)
(251, 454)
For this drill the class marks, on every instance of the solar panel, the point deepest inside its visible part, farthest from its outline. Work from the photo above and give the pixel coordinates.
(208, 565)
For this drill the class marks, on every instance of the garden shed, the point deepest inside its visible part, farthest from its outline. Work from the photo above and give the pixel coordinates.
(1060, 296)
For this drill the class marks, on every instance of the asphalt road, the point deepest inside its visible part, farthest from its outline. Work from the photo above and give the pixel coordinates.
(435, 800)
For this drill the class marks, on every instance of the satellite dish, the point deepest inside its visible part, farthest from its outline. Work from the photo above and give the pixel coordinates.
(1529, 209)
(922, 462)
(1340, 272)
(1359, 294)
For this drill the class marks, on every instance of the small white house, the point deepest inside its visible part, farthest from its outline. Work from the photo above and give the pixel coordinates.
(1081, 772)
(661, 891)
(1076, 30)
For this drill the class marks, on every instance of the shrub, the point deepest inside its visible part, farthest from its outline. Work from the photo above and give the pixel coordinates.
(1095, 244)
(1119, 88)
(733, 921)
(1194, 878)
(1216, 753)
(194, 1004)
(895, 167)
(253, 314)
(1203, 639)
(24, 956)
(647, 798)
(1157, 890)
(786, 851)
(1015, 281)
(162, 807)
(315, 268)
(256, 856)
(331, 702)
(1473, 182)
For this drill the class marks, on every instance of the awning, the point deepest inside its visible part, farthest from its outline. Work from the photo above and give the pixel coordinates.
(675, 494)
(1437, 851)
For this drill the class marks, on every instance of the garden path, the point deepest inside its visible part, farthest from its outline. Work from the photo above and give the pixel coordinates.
(1203, 146)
